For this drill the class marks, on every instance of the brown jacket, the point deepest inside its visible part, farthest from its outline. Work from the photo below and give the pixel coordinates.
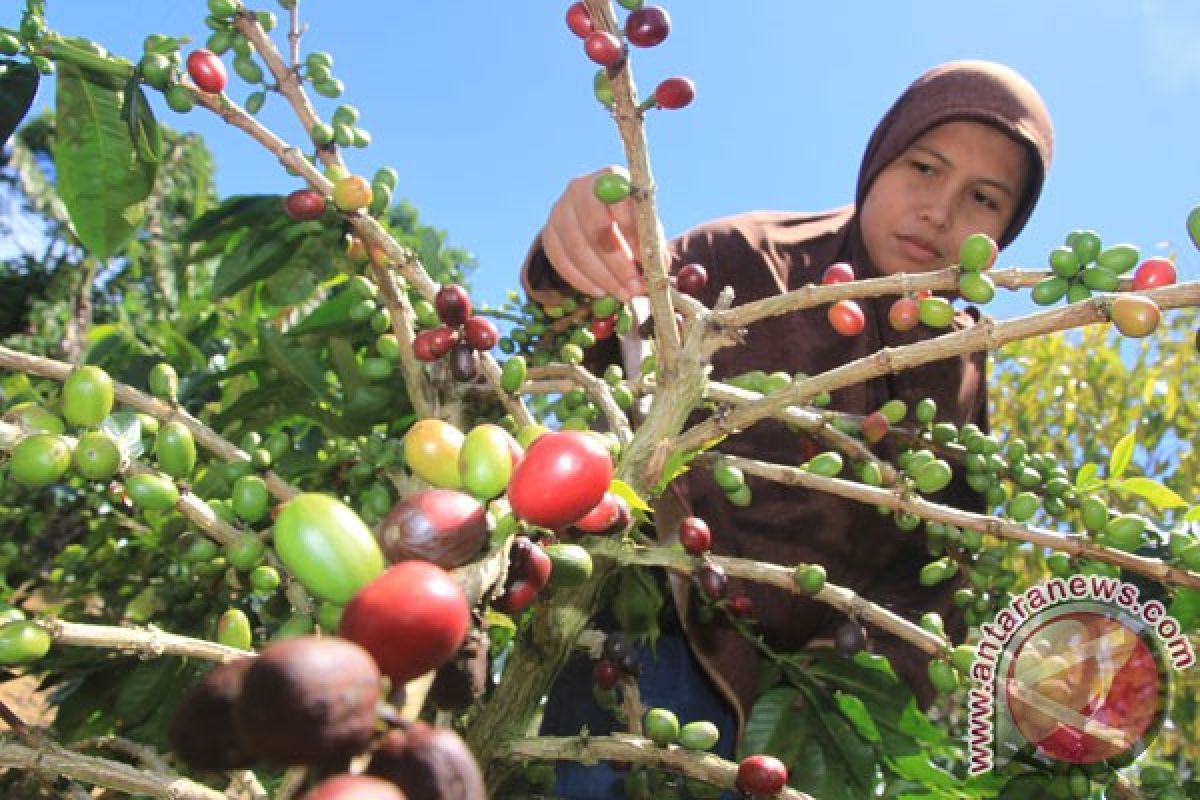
(760, 255)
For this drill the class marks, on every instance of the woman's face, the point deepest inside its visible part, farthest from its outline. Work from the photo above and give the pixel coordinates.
(959, 178)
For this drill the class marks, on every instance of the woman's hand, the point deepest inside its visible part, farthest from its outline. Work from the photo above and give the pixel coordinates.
(592, 244)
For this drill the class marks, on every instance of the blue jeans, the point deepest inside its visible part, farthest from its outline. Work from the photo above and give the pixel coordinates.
(674, 680)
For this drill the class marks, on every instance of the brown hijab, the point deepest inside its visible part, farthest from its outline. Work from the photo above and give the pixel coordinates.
(761, 254)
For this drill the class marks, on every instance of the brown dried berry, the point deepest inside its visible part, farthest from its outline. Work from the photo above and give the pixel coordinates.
(464, 362)
(428, 763)
(202, 730)
(308, 700)
(712, 580)
(463, 680)
(849, 638)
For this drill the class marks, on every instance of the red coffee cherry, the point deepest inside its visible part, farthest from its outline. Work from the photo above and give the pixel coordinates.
(579, 20)
(206, 71)
(603, 48)
(675, 93)
(695, 535)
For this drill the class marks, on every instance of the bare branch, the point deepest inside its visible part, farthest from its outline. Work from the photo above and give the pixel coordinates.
(55, 760)
(621, 747)
(652, 248)
(987, 335)
(1072, 545)
(127, 395)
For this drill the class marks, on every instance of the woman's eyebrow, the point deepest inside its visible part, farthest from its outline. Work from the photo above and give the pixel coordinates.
(995, 183)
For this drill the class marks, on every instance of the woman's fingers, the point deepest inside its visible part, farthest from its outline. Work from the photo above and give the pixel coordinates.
(588, 241)
(564, 265)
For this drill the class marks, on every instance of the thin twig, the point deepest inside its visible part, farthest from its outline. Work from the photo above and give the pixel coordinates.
(845, 600)
(650, 243)
(1073, 545)
(573, 375)
(987, 335)
(127, 395)
(706, 767)
(52, 759)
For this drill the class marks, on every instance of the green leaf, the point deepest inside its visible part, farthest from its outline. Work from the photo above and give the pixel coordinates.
(1152, 491)
(298, 363)
(626, 492)
(856, 711)
(101, 180)
(143, 127)
(1086, 475)
(919, 768)
(238, 211)
(637, 603)
(345, 364)
(256, 256)
(1121, 455)
(1193, 514)
(18, 85)
(1185, 608)
(765, 717)
(141, 690)
(332, 315)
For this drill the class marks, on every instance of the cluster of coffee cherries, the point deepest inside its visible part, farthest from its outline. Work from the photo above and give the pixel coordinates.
(696, 538)
(314, 701)
(1083, 265)
(645, 26)
(460, 334)
(905, 313)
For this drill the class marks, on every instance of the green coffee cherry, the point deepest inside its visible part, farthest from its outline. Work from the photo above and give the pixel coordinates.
(942, 676)
(611, 187)
(827, 464)
(894, 411)
(1049, 291)
(939, 571)
(234, 630)
(809, 578)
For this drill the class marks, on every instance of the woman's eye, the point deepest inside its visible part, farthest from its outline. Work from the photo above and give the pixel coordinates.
(921, 167)
(986, 201)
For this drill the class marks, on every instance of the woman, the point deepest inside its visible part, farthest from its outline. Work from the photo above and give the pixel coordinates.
(964, 149)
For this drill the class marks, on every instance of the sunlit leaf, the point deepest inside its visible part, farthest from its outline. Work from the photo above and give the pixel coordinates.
(1151, 490)
(1122, 454)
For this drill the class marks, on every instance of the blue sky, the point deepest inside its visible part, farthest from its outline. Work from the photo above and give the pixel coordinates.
(485, 108)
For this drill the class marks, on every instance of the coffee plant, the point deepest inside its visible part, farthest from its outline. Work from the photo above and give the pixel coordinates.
(286, 513)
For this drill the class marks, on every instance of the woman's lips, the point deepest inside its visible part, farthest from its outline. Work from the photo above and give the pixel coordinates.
(918, 249)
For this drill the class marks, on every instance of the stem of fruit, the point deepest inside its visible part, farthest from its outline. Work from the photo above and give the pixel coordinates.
(813, 295)
(365, 226)
(148, 756)
(53, 759)
(150, 643)
(995, 526)
(127, 395)
(815, 423)
(294, 34)
(596, 389)
(706, 767)
(650, 244)
(986, 335)
(287, 78)
(839, 597)
(400, 311)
